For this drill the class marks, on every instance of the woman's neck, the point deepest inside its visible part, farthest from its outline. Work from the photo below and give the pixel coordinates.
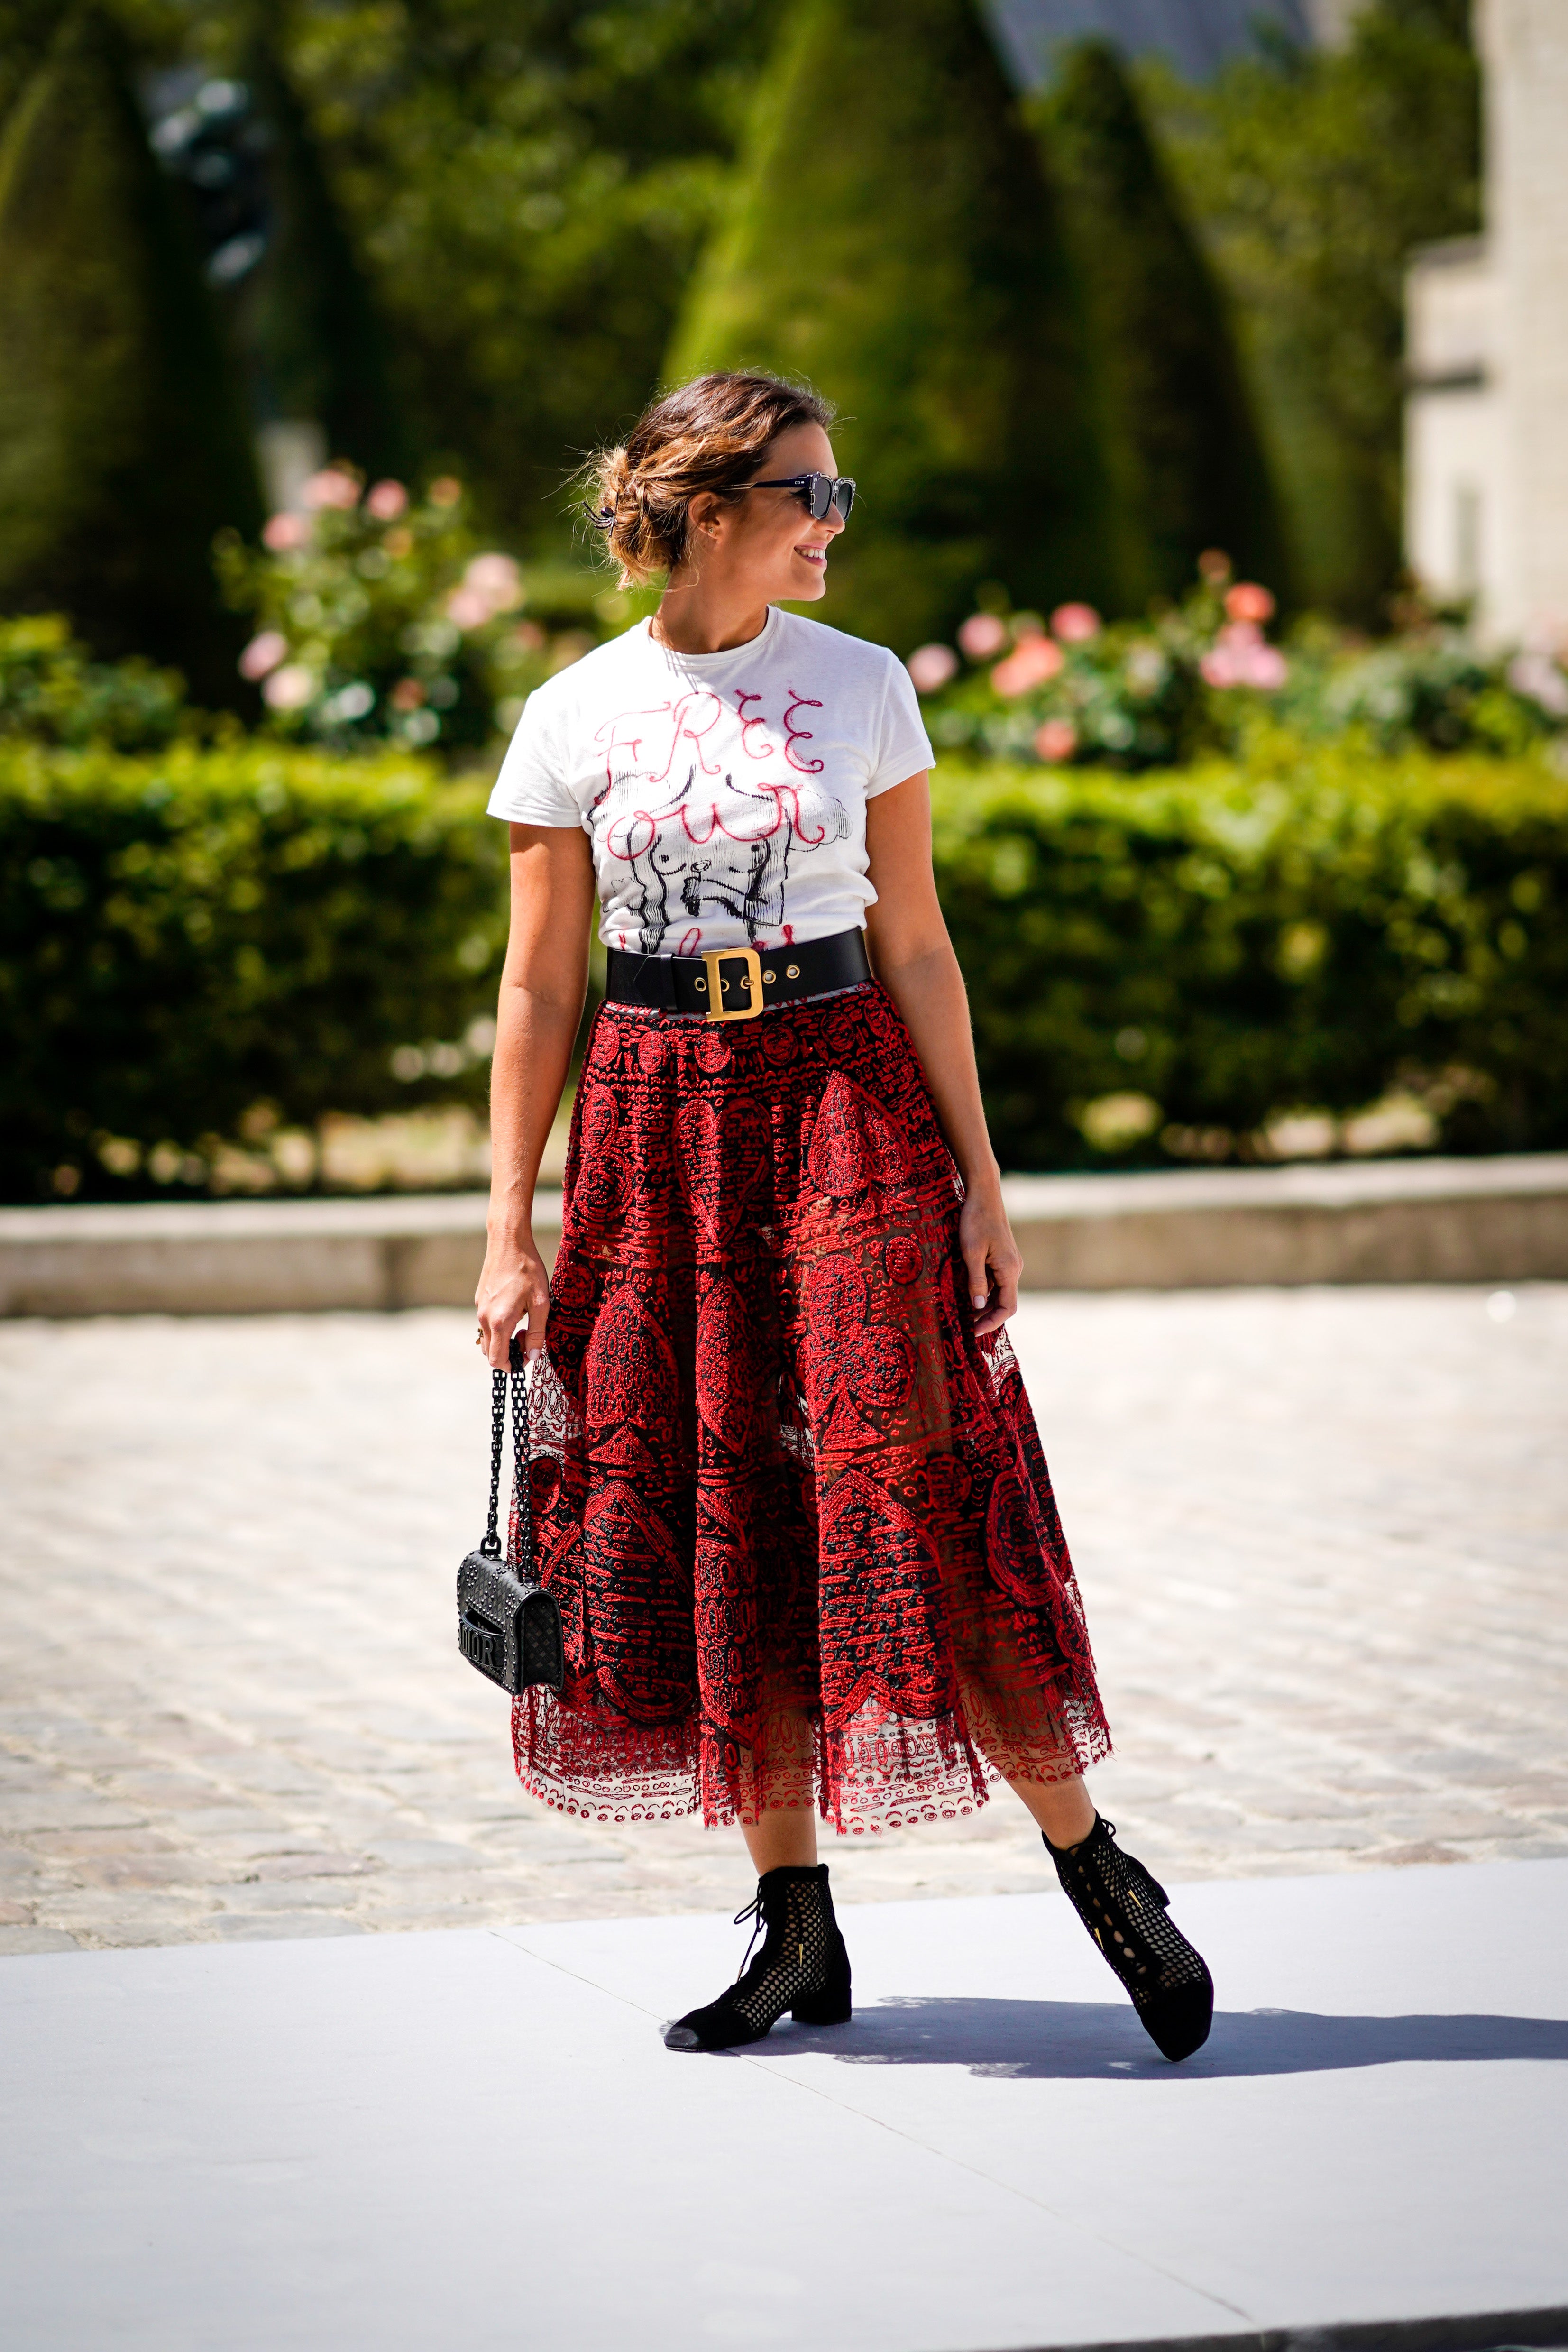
(708, 616)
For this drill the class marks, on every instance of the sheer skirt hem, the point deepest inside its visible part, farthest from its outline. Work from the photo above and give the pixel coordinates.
(883, 1771)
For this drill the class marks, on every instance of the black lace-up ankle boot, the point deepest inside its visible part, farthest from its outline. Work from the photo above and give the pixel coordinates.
(1123, 1907)
(802, 1968)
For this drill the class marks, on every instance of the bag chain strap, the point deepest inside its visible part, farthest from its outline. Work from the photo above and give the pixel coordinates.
(491, 1544)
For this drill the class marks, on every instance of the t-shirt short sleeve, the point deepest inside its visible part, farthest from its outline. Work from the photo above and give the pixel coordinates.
(904, 747)
(530, 788)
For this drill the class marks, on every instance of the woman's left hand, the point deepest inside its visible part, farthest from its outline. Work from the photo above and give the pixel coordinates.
(992, 1260)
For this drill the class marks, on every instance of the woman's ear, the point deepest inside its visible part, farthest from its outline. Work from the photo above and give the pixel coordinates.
(704, 512)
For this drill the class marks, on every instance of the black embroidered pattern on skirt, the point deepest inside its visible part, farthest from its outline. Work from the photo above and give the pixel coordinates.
(797, 1517)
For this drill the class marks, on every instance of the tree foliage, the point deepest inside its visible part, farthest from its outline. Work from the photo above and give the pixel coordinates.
(911, 264)
(298, 307)
(1312, 175)
(1189, 465)
(306, 312)
(527, 185)
(123, 449)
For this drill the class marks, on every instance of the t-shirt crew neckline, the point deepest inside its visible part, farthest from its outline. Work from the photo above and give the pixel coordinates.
(712, 665)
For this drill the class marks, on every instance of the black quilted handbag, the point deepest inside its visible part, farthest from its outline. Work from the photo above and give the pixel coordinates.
(508, 1625)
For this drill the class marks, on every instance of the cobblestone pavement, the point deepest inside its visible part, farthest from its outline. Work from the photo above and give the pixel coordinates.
(1320, 1536)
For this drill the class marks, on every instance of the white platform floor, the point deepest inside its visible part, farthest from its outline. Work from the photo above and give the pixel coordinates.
(476, 2139)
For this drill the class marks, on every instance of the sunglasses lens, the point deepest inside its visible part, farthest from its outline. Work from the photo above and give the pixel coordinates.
(844, 495)
(819, 495)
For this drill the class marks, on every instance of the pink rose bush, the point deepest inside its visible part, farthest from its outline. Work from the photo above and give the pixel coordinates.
(377, 616)
(1056, 741)
(1034, 660)
(1239, 656)
(1123, 694)
(983, 635)
(334, 486)
(1203, 678)
(386, 501)
(263, 655)
(932, 668)
(1076, 625)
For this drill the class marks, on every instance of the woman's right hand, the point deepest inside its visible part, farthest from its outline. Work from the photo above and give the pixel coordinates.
(514, 1287)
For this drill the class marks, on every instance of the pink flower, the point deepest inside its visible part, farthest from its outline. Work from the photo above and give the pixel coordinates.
(983, 635)
(1028, 665)
(1056, 740)
(528, 637)
(1075, 623)
(446, 490)
(1534, 673)
(931, 667)
(469, 608)
(1247, 602)
(1240, 657)
(282, 532)
(495, 578)
(289, 688)
(262, 654)
(332, 488)
(1214, 567)
(387, 502)
(407, 694)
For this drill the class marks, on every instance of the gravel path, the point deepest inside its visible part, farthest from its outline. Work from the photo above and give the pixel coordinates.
(1320, 1536)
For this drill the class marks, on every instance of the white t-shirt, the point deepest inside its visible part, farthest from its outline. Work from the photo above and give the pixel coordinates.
(724, 794)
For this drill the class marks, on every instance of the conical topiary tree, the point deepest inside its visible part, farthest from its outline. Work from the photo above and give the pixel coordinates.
(304, 321)
(891, 237)
(1190, 468)
(123, 449)
(27, 28)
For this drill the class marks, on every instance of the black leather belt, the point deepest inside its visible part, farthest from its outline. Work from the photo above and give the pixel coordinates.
(736, 984)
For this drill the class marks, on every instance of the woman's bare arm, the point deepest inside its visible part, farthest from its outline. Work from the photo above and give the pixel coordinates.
(543, 984)
(912, 957)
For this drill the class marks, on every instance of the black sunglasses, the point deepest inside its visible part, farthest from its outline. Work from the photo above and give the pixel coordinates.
(818, 492)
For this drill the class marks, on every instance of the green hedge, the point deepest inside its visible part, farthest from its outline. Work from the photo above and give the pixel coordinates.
(1310, 932)
(187, 935)
(191, 933)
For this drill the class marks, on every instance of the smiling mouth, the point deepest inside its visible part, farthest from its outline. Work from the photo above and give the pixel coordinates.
(813, 554)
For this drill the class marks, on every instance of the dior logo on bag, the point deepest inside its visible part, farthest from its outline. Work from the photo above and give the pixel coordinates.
(508, 1626)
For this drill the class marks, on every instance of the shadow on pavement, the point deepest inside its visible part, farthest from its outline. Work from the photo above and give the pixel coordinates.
(1080, 2041)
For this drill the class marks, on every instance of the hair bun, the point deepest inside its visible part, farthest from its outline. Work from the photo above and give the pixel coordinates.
(706, 435)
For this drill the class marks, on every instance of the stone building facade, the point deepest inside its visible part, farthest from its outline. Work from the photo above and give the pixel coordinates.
(1486, 419)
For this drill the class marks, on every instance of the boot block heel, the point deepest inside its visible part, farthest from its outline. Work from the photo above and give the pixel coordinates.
(832, 2005)
(830, 2008)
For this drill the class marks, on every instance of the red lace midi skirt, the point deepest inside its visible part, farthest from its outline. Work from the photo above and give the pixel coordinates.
(796, 1515)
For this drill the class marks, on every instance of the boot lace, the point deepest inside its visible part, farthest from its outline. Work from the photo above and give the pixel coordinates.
(793, 1960)
(1122, 1905)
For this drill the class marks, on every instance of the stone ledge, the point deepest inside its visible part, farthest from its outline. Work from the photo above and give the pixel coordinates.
(1502, 1220)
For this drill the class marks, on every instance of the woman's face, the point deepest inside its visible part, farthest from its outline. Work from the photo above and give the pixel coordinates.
(765, 543)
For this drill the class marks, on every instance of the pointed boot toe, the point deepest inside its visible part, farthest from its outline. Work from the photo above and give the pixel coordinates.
(1126, 1910)
(722, 2025)
(802, 1967)
(1177, 2022)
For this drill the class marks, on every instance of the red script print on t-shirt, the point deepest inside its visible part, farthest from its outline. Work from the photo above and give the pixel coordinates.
(696, 847)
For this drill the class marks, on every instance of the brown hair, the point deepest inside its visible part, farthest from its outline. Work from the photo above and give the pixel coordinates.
(707, 435)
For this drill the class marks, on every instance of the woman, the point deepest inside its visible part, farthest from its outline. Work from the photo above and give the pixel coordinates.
(787, 1488)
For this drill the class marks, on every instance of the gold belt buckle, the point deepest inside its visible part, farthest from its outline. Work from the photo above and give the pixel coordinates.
(718, 986)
